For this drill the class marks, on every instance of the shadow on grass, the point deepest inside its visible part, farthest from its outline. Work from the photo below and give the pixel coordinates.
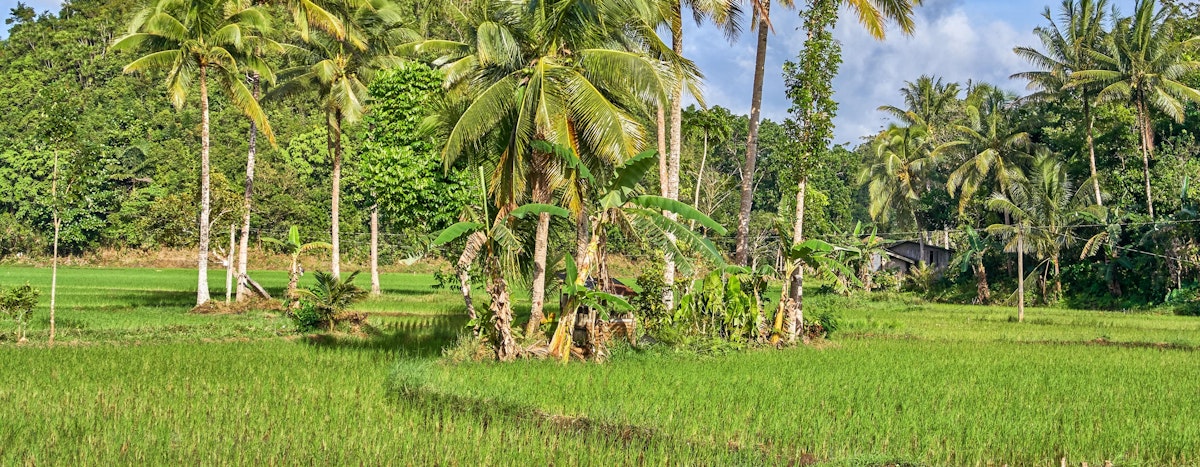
(413, 337)
(151, 299)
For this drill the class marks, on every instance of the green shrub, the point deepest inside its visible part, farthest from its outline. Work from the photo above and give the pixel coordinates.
(323, 302)
(18, 303)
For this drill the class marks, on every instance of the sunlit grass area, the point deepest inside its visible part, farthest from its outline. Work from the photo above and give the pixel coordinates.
(137, 378)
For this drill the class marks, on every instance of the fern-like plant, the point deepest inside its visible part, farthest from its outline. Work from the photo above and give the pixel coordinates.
(331, 295)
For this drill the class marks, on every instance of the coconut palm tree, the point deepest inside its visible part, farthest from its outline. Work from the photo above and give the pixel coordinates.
(1141, 62)
(928, 101)
(197, 41)
(1044, 209)
(904, 157)
(337, 69)
(558, 71)
(1066, 51)
(725, 14)
(872, 14)
(994, 147)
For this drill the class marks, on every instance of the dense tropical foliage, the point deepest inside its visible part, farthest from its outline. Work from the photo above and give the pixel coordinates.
(521, 135)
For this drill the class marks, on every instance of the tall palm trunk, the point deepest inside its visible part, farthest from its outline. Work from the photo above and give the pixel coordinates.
(742, 253)
(1091, 144)
(375, 250)
(665, 189)
(1147, 148)
(672, 183)
(205, 193)
(541, 194)
(335, 151)
(247, 198)
(1020, 277)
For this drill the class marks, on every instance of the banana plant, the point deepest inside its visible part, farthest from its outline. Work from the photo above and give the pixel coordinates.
(815, 254)
(643, 216)
(293, 247)
(501, 246)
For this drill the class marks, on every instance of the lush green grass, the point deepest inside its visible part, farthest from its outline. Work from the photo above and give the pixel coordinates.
(141, 380)
(275, 402)
(924, 402)
(102, 304)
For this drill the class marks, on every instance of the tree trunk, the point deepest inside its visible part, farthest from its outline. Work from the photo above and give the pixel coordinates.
(560, 343)
(665, 189)
(205, 193)
(335, 151)
(1147, 148)
(1057, 279)
(796, 293)
(541, 194)
(502, 313)
(983, 293)
(248, 198)
(699, 178)
(742, 253)
(471, 251)
(676, 149)
(293, 279)
(54, 264)
(1091, 144)
(1020, 277)
(375, 251)
(229, 266)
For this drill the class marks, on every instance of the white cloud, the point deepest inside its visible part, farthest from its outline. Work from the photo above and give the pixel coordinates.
(949, 42)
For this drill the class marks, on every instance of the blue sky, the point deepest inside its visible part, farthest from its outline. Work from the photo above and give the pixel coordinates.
(955, 39)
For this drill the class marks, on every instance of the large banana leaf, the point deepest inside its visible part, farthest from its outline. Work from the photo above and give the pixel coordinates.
(682, 234)
(457, 230)
(538, 208)
(627, 178)
(684, 211)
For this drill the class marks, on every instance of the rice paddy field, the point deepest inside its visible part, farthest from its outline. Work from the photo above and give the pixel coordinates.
(137, 379)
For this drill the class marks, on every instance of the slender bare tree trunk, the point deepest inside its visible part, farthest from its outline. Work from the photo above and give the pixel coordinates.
(676, 121)
(1147, 147)
(202, 295)
(247, 199)
(796, 292)
(335, 151)
(665, 189)
(1091, 144)
(541, 194)
(1020, 277)
(742, 253)
(375, 251)
(54, 264)
(699, 179)
(229, 266)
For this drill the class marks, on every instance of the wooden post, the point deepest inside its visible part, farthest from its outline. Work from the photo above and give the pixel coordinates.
(229, 257)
